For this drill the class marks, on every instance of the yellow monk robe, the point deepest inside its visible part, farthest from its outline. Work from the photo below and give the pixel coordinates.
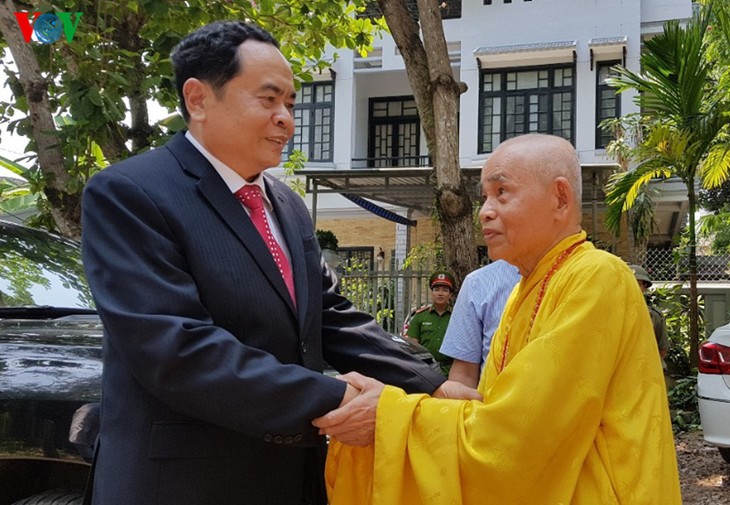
(578, 415)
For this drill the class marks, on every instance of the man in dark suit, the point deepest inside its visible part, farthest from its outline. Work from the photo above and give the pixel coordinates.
(213, 345)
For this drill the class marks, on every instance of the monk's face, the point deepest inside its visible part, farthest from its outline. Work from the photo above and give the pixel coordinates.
(517, 215)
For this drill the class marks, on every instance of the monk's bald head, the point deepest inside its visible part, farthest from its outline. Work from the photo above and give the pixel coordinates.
(547, 157)
(544, 158)
(531, 186)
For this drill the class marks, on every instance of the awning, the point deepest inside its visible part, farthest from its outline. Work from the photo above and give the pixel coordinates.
(526, 54)
(379, 211)
(608, 48)
(411, 188)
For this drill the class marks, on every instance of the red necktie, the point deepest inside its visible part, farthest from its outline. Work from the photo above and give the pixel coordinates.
(250, 196)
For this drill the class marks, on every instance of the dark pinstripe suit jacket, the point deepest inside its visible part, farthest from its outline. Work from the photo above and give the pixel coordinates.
(211, 375)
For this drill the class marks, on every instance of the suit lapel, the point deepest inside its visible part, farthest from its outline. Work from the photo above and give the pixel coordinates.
(214, 190)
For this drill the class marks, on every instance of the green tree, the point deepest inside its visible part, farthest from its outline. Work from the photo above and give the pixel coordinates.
(73, 97)
(716, 199)
(14, 192)
(716, 225)
(627, 131)
(686, 116)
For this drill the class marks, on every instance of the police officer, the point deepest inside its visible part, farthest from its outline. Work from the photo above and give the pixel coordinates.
(657, 319)
(428, 324)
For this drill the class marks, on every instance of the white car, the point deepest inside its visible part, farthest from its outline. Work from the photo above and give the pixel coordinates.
(713, 389)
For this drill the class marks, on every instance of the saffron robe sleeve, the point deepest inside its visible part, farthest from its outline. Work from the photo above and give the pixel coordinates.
(578, 415)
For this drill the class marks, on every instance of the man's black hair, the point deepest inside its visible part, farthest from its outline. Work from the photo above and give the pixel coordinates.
(210, 54)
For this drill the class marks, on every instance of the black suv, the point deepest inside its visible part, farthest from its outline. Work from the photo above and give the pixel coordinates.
(50, 368)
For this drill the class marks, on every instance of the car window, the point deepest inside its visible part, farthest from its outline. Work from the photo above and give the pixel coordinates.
(39, 268)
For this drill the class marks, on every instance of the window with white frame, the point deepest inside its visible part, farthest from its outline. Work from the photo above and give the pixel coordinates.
(313, 121)
(608, 102)
(514, 101)
(394, 138)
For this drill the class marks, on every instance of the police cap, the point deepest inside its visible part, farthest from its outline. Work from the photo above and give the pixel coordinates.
(441, 278)
(640, 274)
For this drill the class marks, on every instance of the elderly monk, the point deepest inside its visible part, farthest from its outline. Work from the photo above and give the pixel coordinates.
(574, 404)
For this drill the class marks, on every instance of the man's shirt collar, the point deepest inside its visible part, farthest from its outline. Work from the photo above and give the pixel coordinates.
(229, 176)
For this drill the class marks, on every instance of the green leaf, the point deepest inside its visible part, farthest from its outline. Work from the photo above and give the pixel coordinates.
(13, 166)
(93, 96)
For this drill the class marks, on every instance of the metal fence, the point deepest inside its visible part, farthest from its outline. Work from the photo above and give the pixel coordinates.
(668, 265)
(388, 295)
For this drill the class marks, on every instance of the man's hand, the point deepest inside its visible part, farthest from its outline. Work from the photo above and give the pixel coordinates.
(456, 391)
(354, 422)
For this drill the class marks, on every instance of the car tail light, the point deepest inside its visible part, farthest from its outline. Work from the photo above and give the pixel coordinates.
(714, 358)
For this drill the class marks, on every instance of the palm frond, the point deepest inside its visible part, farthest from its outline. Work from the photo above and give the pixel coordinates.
(673, 79)
(666, 144)
(715, 169)
(711, 223)
(641, 216)
(622, 190)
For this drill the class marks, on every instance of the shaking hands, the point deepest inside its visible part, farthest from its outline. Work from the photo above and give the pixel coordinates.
(353, 423)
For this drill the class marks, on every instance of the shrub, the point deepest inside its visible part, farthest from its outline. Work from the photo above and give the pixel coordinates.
(327, 239)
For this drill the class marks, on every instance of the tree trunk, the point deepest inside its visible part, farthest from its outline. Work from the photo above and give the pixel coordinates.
(694, 310)
(437, 97)
(65, 205)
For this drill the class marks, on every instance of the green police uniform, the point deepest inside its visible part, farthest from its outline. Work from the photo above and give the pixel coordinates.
(429, 328)
(660, 330)
(657, 319)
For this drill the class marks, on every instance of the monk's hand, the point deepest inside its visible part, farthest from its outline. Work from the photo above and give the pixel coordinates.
(456, 391)
(353, 423)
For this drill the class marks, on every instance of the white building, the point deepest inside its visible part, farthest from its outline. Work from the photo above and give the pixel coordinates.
(530, 66)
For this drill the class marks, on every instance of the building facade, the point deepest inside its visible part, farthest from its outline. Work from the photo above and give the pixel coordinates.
(529, 66)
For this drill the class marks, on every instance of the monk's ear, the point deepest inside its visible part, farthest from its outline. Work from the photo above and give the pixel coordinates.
(197, 95)
(565, 197)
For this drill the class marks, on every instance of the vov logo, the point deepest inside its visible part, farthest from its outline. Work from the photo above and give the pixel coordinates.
(47, 27)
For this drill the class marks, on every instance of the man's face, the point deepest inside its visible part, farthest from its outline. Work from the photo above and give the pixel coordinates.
(250, 121)
(440, 295)
(516, 216)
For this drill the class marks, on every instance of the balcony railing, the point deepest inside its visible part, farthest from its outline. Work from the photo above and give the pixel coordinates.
(392, 162)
